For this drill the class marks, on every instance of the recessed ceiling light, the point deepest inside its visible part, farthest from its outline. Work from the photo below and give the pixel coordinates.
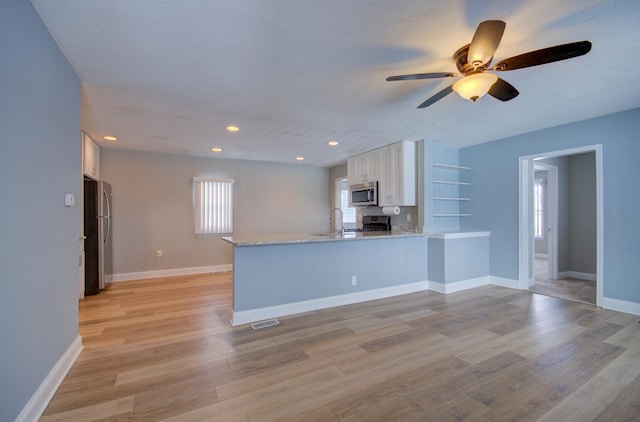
(300, 158)
(216, 149)
(333, 143)
(110, 138)
(233, 128)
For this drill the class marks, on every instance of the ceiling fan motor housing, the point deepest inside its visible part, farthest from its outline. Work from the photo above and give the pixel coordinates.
(464, 67)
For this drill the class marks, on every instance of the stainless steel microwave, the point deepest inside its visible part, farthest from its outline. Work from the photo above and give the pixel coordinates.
(363, 194)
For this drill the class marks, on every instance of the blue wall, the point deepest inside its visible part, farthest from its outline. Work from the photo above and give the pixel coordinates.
(454, 260)
(273, 275)
(494, 194)
(39, 163)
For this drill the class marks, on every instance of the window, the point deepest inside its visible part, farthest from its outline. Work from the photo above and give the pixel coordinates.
(213, 205)
(538, 208)
(342, 202)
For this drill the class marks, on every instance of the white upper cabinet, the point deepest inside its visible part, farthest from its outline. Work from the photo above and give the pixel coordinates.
(90, 157)
(393, 166)
(397, 181)
(363, 168)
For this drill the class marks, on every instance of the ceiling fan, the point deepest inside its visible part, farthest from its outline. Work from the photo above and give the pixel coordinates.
(473, 61)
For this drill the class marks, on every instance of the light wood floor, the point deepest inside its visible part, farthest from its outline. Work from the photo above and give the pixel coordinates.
(569, 288)
(163, 350)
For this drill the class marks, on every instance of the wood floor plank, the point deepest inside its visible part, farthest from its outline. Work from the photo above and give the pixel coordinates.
(627, 336)
(162, 349)
(528, 341)
(398, 409)
(94, 412)
(168, 367)
(541, 341)
(546, 380)
(320, 414)
(433, 395)
(462, 408)
(626, 406)
(358, 338)
(592, 397)
(356, 405)
(245, 385)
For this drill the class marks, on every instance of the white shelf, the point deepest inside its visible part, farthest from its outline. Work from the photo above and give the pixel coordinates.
(438, 198)
(449, 166)
(447, 182)
(450, 196)
(458, 235)
(452, 215)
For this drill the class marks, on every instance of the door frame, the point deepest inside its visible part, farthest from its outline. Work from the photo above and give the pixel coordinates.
(525, 215)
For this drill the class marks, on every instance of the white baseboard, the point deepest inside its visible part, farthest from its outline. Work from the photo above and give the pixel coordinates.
(504, 282)
(541, 255)
(632, 308)
(140, 275)
(576, 274)
(458, 286)
(39, 401)
(254, 315)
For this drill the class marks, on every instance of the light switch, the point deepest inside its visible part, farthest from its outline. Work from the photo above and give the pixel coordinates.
(69, 200)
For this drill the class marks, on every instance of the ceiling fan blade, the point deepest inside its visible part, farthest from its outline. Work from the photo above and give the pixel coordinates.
(485, 42)
(503, 90)
(545, 55)
(440, 95)
(421, 76)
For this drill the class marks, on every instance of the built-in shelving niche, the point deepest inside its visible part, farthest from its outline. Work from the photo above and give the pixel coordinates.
(450, 193)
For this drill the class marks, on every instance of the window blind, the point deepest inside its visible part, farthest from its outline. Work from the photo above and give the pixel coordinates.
(538, 207)
(213, 205)
(348, 213)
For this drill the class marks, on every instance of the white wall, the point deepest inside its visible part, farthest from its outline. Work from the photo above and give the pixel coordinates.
(152, 206)
(39, 163)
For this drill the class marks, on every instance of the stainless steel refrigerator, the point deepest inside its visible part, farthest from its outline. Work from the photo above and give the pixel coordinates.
(98, 229)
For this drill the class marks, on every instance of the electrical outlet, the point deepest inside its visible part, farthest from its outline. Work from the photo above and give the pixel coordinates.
(408, 217)
(354, 280)
(159, 253)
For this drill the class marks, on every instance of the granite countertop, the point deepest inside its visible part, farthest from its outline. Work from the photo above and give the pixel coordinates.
(258, 240)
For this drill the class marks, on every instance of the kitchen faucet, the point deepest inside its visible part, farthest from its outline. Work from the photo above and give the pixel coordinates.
(332, 214)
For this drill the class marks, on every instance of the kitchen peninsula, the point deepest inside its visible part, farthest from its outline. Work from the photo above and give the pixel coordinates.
(280, 275)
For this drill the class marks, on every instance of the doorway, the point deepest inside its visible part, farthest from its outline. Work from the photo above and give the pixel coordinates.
(545, 219)
(568, 232)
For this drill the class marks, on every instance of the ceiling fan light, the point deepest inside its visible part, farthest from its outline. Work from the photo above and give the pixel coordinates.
(474, 86)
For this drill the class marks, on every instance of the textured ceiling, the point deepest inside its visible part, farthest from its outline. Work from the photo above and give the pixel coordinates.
(170, 75)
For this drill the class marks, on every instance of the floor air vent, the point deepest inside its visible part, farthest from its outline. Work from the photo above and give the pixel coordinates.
(264, 324)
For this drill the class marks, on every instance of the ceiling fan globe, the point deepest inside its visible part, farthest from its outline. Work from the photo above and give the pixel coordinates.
(475, 85)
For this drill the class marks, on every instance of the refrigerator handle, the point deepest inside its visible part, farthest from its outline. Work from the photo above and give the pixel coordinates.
(108, 216)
